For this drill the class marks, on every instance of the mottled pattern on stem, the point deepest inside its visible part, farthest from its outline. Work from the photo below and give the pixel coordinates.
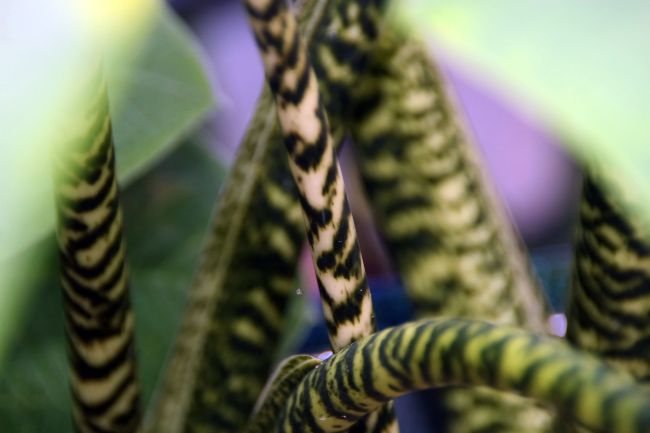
(451, 242)
(331, 234)
(433, 353)
(98, 318)
(340, 55)
(256, 271)
(610, 294)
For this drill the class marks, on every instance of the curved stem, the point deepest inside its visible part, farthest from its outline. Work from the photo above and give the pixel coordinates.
(284, 381)
(433, 353)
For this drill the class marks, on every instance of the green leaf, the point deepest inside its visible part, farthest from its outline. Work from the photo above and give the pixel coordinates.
(166, 215)
(583, 66)
(158, 97)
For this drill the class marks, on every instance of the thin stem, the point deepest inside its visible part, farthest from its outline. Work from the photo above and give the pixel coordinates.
(330, 228)
(331, 233)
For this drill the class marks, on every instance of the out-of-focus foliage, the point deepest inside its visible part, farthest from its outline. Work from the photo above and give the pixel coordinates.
(166, 218)
(157, 97)
(584, 66)
(166, 215)
(157, 89)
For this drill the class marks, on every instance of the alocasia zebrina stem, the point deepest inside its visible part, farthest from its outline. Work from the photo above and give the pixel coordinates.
(609, 309)
(247, 272)
(305, 128)
(98, 319)
(331, 233)
(450, 240)
(433, 353)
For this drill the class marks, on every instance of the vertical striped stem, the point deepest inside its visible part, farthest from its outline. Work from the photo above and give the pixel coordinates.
(452, 243)
(331, 234)
(330, 228)
(609, 310)
(99, 320)
(340, 56)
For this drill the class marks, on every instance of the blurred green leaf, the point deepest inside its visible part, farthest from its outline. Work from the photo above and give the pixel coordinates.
(157, 95)
(584, 66)
(166, 215)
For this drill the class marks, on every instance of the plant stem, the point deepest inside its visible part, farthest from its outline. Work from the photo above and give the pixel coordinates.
(99, 320)
(342, 282)
(453, 245)
(610, 294)
(432, 353)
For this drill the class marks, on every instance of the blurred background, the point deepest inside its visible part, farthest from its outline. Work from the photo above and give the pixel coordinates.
(167, 207)
(533, 174)
(536, 178)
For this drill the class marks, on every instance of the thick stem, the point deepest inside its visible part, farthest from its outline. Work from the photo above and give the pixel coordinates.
(431, 353)
(98, 317)
(454, 247)
(610, 294)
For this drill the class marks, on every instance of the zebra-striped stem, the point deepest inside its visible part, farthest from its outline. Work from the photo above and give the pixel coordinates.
(331, 234)
(432, 353)
(610, 294)
(451, 246)
(456, 252)
(98, 318)
(280, 385)
(330, 228)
